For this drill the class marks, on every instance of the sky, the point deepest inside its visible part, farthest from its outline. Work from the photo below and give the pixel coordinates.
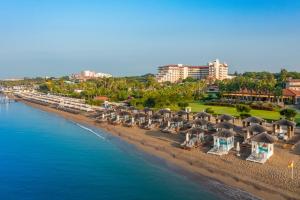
(133, 37)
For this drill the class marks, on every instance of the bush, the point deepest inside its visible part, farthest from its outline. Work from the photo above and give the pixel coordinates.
(288, 113)
(183, 104)
(150, 102)
(242, 108)
(209, 110)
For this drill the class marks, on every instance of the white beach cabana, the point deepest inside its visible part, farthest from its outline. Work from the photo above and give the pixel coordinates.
(223, 142)
(262, 148)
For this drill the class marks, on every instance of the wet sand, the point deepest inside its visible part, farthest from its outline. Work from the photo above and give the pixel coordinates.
(271, 180)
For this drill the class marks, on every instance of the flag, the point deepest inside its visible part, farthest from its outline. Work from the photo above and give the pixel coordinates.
(291, 164)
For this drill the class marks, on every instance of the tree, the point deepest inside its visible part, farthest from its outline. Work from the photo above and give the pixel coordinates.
(288, 113)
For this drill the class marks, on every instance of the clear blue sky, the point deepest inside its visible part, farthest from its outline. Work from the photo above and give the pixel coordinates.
(130, 37)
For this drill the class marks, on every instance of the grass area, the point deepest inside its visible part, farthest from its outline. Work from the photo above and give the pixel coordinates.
(297, 118)
(268, 115)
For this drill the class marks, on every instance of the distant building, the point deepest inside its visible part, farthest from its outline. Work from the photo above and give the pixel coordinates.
(293, 84)
(217, 70)
(173, 73)
(86, 75)
(291, 96)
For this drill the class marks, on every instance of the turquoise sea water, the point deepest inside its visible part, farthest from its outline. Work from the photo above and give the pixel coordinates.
(43, 156)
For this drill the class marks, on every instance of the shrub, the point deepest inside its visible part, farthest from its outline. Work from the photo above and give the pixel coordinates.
(209, 110)
(183, 104)
(288, 113)
(242, 108)
(150, 102)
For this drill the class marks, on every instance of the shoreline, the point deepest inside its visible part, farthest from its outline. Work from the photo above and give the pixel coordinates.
(164, 147)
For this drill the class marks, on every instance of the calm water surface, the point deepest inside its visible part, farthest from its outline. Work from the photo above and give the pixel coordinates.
(43, 156)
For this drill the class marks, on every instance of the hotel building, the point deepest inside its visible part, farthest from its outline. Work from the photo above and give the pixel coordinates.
(86, 75)
(174, 73)
(293, 84)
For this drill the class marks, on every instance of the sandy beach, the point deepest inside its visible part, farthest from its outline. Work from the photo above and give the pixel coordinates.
(271, 180)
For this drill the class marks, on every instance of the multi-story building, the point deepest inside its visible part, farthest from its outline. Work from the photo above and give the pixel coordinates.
(217, 70)
(85, 75)
(174, 73)
(293, 84)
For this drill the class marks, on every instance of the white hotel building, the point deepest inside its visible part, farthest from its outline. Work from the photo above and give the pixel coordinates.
(174, 73)
(85, 75)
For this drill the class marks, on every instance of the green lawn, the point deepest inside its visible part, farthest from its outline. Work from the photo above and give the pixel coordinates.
(297, 118)
(269, 115)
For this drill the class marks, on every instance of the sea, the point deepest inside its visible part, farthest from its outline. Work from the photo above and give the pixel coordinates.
(44, 156)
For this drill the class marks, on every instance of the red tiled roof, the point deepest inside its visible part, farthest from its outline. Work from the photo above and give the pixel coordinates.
(101, 98)
(289, 92)
(293, 80)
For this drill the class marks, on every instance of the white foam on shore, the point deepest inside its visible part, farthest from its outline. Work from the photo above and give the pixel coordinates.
(90, 130)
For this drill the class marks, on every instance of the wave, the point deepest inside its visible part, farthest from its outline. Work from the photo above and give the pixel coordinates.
(90, 130)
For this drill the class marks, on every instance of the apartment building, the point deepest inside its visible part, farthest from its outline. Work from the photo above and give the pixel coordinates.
(174, 73)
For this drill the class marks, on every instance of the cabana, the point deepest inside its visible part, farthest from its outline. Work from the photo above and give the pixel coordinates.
(110, 114)
(115, 120)
(124, 115)
(102, 117)
(121, 108)
(185, 128)
(252, 120)
(197, 132)
(202, 115)
(223, 142)
(148, 111)
(148, 125)
(165, 126)
(165, 113)
(253, 130)
(129, 122)
(140, 118)
(225, 118)
(224, 126)
(262, 148)
(193, 138)
(157, 118)
(177, 122)
(202, 123)
(133, 110)
(284, 129)
(183, 114)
